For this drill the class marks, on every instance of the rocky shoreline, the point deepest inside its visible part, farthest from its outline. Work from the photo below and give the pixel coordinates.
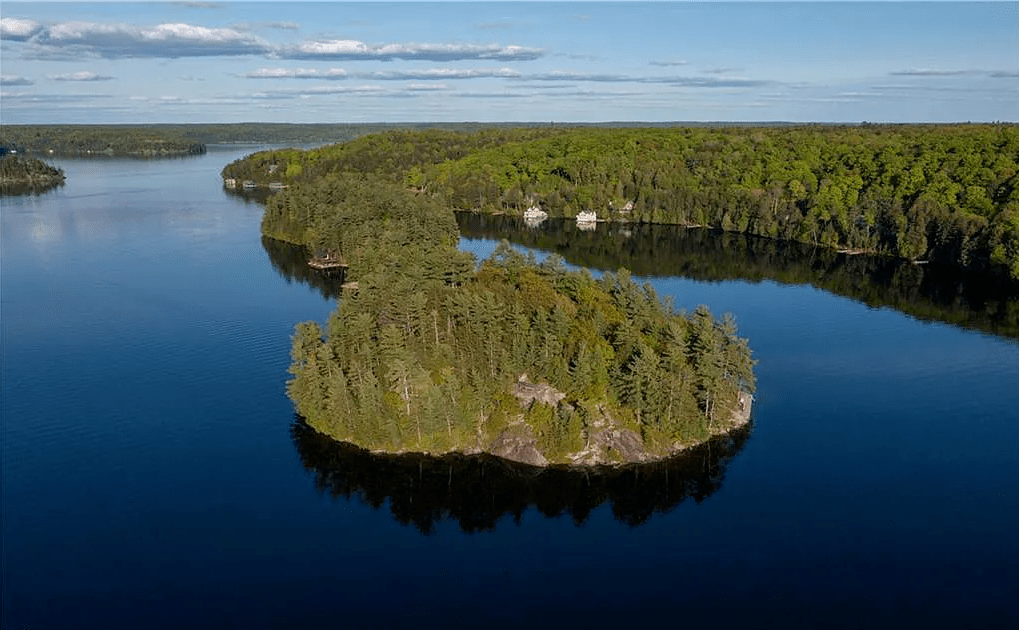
(481, 491)
(606, 441)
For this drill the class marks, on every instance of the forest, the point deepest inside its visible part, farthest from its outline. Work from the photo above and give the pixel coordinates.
(428, 352)
(143, 141)
(21, 175)
(925, 193)
(175, 140)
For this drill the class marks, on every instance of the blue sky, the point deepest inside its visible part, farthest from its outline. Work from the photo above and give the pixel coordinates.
(112, 62)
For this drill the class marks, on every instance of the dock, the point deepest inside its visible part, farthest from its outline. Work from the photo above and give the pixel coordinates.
(325, 262)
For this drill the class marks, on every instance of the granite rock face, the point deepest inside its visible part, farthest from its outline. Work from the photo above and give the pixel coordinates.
(518, 444)
(606, 441)
(527, 392)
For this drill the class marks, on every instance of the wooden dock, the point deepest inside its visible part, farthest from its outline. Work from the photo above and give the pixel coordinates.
(324, 263)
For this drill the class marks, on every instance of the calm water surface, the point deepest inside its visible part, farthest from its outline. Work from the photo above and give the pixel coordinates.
(152, 475)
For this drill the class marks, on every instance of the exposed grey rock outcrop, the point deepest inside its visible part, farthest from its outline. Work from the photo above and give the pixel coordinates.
(625, 442)
(606, 441)
(528, 392)
(518, 444)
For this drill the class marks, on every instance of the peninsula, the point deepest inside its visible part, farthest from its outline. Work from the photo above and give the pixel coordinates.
(529, 361)
(925, 193)
(20, 175)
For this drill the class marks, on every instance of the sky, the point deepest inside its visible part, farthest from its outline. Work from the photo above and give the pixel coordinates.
(331, 62)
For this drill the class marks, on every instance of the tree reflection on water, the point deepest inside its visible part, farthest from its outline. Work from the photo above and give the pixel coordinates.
(477, 491)
(969, 299)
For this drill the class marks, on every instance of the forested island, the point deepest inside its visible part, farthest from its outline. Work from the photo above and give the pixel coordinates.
(925, 193)
(527, 361)
(21, 175)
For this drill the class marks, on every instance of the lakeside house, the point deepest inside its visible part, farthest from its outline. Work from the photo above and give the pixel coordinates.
(535, 213)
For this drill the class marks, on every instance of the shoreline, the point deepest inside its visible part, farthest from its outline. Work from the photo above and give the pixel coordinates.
(517, 451)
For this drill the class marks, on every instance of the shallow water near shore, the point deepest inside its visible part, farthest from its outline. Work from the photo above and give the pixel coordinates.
(153, 475)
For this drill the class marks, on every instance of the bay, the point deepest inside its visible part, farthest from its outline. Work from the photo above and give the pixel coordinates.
(153, 474)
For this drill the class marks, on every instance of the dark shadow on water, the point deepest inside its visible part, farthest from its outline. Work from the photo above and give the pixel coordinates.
(478, 491)
(926, 292)
(28, 189)
(291, 262)
(254, 196)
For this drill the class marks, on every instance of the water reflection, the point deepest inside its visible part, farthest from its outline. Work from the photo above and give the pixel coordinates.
(926, 292)
(28, 189)
(254, 196)
(477, 491)
(291, 262)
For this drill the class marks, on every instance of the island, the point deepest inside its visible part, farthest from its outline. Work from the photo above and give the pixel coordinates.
(21, 175)
(530, 361)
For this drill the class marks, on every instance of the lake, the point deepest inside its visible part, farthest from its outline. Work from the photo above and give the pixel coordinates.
(154, 476)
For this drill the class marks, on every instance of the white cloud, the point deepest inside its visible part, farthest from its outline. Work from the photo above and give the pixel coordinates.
(17, 30)
(931, 72)
(566, 75)
(10, 79)
(681, 81)
(79, 76)
(427, 87)
(163, 40)
(296, 73)
(75, 39)
(53, 98)
(442, 74)
(356, 50)
(321, 91)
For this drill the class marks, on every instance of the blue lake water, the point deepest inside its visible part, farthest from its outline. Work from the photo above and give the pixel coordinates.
(151, 478)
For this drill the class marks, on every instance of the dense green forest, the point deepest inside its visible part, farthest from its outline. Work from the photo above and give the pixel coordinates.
(427, 353)
(99, 140)
(306, 134)
(941, 193)
(20, 174)
(395, 156)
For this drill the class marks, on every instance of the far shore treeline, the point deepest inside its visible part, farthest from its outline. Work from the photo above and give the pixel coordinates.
(940, 193)
(98, 141)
